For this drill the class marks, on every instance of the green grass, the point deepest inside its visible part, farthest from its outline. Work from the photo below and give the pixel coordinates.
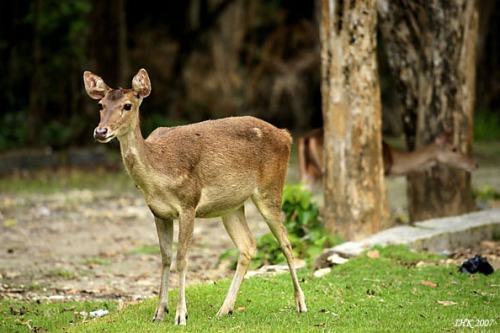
(59, 272)
(44, 315)
(401, 291)
(48, 182)
(145, 249)
(96, 261)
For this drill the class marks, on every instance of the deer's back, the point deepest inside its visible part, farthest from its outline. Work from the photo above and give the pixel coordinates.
(235, 143)
(218, 164)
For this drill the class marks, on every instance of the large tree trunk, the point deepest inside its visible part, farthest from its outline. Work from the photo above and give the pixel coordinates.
(355, 200)
(431, 51)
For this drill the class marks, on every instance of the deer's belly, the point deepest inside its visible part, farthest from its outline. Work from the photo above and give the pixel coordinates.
(162, 209)
(215, 203)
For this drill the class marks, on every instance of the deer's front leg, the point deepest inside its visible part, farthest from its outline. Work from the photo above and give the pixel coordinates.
(165, 230)
(186, 226)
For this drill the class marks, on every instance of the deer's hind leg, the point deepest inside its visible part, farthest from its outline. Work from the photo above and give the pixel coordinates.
(269, 205)
(237, 228)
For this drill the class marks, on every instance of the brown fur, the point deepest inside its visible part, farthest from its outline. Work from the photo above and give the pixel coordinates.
(396, 163)
(206, 169)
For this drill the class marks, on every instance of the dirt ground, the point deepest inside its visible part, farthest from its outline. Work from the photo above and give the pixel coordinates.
(82, 244)
(97, 245)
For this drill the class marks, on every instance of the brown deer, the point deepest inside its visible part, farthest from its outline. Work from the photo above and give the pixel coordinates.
(396, 163)
(201, 170)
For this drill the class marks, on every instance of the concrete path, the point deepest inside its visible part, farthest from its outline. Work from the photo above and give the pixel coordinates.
(436, 235)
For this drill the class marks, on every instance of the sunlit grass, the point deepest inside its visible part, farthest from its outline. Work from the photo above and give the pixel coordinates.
(397, 291)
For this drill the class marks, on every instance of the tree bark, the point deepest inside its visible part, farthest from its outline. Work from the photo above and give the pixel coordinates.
(431, 51)
(355, 200)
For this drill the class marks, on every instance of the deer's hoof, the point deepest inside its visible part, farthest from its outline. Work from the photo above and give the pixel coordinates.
(160, 314)
(301, 307)
(224, 311)
(181, 320)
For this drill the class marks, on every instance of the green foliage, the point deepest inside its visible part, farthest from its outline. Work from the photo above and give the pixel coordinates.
(485, 193)
(486, 196)
(305, 230)
(63, 26)
(55, 134)
(486, 126)
(14, 129)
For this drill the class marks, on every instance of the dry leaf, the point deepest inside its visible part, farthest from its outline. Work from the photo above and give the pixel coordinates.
(124, 305)
(447, 303)
(428, 284)
(375, 254)
(241, 308)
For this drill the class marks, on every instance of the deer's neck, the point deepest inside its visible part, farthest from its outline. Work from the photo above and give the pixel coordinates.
(406, 162)
(135, 155)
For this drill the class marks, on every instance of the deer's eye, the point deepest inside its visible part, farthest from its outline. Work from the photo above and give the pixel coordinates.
(127, 107)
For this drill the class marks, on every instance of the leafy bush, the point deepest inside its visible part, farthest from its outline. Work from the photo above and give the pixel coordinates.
(486, 125)
(305, 231)
(486, 196)
(14, 131)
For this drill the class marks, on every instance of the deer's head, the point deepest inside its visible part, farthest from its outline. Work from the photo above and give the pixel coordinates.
(119, 107)
(447, 153)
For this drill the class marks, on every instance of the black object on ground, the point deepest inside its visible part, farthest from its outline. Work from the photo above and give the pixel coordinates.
(477, 264)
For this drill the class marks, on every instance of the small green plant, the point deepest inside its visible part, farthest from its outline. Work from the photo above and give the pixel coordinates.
(485, 195)
(486, 124)
(96, 261)
(305, 231)
(145, 249)
(59, 272)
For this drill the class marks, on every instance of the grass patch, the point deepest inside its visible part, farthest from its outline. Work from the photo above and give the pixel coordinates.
(59, 272)
(96, 261)
(45, 316)
(399, 291)
(145, 249)
(49, 182)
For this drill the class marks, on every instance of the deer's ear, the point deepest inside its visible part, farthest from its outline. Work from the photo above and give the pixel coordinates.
(141, 83)
(444, 138)
(94, 85)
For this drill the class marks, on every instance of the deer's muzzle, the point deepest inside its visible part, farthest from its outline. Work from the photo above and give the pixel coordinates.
(102, 135)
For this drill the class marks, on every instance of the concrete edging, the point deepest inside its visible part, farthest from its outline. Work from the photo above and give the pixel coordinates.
(435, 235)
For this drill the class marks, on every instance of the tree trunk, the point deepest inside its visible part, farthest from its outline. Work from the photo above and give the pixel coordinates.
(431, 51)
(355, 200)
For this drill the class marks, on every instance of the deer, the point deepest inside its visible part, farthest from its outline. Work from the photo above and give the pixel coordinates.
(201, 170)
(396, 163)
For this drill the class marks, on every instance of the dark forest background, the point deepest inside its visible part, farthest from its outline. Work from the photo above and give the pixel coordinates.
(206, 59)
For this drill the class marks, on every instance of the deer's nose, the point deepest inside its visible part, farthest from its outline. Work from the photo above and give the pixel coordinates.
(100, 133)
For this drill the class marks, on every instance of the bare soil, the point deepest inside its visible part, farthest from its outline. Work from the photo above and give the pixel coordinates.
(83, 244)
